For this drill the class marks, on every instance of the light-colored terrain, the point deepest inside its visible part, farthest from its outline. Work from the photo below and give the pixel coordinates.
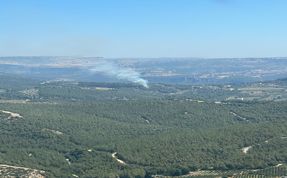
(14, 101)
(56, 132)
(246, 149)
(261, 92)
(114, 155)
(237, 115)
(8, 171)
(30, 92)
(12, 115)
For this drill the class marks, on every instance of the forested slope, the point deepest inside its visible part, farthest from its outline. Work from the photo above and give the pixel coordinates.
(153, 132)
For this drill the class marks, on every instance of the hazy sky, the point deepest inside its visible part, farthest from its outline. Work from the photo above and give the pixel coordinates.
(144, 28)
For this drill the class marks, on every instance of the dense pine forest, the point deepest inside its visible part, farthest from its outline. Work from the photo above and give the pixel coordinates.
(71, 129)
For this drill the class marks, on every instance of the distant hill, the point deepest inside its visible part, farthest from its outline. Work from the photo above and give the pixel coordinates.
(155, 70)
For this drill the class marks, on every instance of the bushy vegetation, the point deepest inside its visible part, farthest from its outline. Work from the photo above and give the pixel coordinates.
(68, 129)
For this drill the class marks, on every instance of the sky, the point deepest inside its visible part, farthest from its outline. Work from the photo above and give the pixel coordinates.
(144, 28)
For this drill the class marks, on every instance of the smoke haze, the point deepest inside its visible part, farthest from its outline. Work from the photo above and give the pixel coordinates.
(114, 70)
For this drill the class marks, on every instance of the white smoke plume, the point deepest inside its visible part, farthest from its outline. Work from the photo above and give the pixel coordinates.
(123, 73)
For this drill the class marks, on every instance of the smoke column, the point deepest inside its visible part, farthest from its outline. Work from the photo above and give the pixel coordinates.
(114, 70)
